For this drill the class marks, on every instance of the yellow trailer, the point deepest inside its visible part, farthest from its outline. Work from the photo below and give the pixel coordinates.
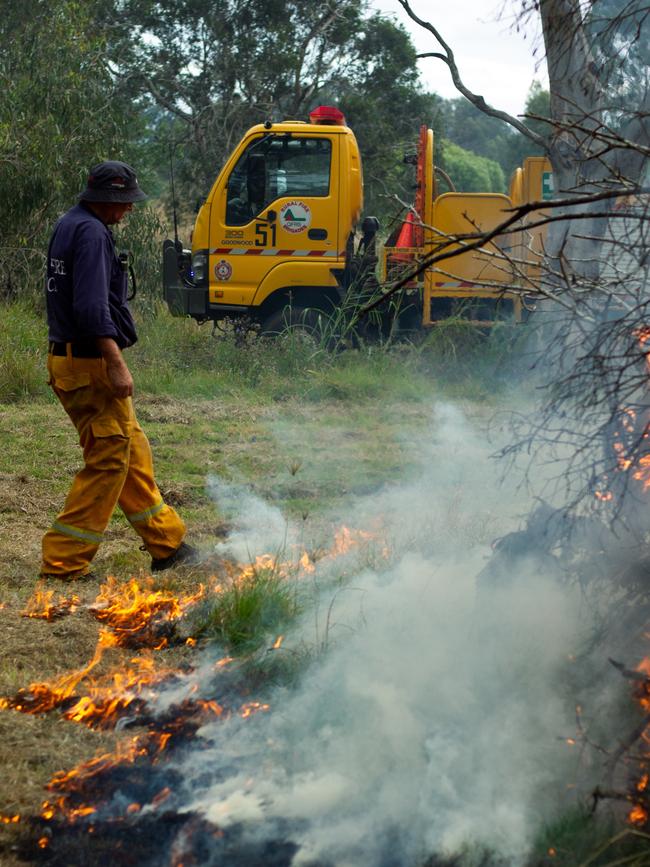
(486, 284)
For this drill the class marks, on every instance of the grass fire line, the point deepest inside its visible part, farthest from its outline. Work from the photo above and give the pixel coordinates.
(371, 687)
(133, 615)
(379, 726)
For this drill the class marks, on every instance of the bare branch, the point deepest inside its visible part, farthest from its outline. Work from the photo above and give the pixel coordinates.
(474, 98)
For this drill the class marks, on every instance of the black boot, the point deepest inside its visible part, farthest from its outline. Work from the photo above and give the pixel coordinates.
(184, 555)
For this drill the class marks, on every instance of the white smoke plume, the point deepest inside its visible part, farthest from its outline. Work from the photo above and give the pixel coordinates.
(259, 528)
(433, 721)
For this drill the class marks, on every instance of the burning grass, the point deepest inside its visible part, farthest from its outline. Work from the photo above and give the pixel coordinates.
(47, 604)
(138, 614)
(245, 608)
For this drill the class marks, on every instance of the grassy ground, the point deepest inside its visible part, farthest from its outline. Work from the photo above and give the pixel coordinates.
(301, 429)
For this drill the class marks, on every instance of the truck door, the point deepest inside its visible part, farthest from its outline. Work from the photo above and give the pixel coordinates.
(277, 205)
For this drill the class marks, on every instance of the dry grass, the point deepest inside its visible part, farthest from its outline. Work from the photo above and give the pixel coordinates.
(306, 456)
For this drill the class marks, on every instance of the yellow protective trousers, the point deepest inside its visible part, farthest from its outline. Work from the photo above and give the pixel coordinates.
(118, 470)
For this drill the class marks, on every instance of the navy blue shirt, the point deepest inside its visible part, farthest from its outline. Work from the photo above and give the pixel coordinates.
(86, 286)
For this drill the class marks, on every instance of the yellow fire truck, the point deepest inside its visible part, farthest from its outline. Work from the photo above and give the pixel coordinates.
(276, 236)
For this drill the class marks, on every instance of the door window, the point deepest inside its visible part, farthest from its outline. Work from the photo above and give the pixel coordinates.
(275, 166)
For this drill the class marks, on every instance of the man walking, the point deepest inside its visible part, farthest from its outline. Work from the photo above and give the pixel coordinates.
(89, 325)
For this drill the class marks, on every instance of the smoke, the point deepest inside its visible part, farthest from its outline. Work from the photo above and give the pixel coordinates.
(259, 528)
(433, 721)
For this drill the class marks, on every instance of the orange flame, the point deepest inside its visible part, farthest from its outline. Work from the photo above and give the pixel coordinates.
(139, 614)
(162, 796)
(306, 564)
(346, 539)
(42, 604)
(66, 782)
(222, 663)
(638, 815)
(9, 820)
(251, 707)
(106, 698)
(43, 697)
(644, 666)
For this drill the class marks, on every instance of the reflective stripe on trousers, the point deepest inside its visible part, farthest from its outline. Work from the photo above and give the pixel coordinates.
(118, 470)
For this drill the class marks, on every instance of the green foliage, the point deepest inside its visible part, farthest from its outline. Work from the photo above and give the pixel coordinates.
(470, 172)
(475, 131)
(209, 70)
(474, 363)
(248, 612)
(538, 103)
(214, 68)
(485, 136)
(141, 234)
(58, 116)
(175, 357)
(23, 339)
(372, 373)
(385, 106)
(580, 837)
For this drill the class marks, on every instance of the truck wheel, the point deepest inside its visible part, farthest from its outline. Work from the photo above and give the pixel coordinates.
(304, 322)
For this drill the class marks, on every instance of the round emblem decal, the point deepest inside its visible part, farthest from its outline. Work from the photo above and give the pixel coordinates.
(223, 270)
(295, 217)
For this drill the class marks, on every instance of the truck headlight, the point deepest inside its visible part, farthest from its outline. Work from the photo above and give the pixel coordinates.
(200, 268)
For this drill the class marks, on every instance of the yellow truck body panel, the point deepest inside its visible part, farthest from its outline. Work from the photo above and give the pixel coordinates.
(477, 280)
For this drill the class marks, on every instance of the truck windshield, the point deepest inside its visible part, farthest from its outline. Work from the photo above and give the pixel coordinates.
(275, 166)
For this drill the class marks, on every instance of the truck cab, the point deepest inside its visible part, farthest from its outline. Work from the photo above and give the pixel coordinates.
(270, 240)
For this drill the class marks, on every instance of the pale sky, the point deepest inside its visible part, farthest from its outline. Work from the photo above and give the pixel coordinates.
(493, 60)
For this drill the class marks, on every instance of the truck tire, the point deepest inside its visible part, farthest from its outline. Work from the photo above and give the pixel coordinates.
(307, 322)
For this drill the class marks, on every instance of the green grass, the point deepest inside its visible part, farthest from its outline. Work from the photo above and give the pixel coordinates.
(23, 338)
(302, 427)
(249, 613)
(175, 357)
(580, 838)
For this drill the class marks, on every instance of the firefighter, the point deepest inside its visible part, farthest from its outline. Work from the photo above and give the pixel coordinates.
(89, 325)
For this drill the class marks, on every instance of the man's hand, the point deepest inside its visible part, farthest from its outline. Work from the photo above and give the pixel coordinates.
(118, 373)
(120, 379)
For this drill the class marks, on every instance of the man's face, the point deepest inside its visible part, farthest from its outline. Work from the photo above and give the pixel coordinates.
(115, 211)
(110, 212)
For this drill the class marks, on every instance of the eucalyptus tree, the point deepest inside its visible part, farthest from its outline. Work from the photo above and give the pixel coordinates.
(59, 113)
(209, 69)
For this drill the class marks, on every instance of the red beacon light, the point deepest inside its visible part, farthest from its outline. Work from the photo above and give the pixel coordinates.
(327, 115)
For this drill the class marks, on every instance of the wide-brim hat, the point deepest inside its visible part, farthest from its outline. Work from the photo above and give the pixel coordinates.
(112, 181)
